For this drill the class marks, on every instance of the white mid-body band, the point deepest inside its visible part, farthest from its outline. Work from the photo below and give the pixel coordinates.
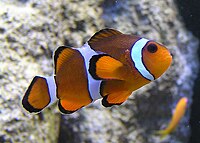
(93, 85)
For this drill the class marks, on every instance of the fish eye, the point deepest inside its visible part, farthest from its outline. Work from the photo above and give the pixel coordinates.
(152, 48)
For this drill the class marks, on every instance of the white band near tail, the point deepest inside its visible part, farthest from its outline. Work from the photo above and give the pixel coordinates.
(136, 55)
(93, 85)
(52, 89)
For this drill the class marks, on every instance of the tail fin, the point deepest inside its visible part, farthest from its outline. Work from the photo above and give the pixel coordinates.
(162, 133)
(40, 94)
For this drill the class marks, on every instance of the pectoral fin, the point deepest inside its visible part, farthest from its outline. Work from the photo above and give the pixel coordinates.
(106, 67)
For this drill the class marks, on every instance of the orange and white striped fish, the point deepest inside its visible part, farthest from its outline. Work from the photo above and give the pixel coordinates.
(111, 65)
(177, 116)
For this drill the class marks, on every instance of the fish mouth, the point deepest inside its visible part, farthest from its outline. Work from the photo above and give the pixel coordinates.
(168, 56)
(171, 54)
(168, 61)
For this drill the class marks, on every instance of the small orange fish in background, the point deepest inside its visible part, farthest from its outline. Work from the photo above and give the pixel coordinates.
(177, 116)
(111, 65)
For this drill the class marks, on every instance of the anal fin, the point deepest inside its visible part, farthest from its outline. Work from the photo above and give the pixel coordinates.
(67, 107)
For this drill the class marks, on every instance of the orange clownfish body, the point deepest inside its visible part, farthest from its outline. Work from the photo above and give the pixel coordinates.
(111, 65)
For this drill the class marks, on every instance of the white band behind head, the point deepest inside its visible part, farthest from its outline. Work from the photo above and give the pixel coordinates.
(136, 55)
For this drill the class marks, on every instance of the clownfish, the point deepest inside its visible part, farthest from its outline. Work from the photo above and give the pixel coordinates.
(111, 65)
(177, 116)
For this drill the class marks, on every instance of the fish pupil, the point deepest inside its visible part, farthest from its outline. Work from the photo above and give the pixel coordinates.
(152, 48)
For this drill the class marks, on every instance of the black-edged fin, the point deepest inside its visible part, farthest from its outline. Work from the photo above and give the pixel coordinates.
(115, 98)
(105, 67)
(66, 107)
(104, 33)
(37, 96)
(61, 55)
(105, 103)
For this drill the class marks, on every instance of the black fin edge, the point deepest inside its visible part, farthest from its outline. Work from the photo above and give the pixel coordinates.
(101, 88)
(57, 52)
(26, 104)
(92, 66)
(62, 110)
(105, 103)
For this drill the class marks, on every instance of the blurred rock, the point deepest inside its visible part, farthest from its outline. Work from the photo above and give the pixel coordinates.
(30, 30)
(191, 16)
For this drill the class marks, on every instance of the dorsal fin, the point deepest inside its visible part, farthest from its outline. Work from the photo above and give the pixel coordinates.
(61, 55)
(104, 33)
